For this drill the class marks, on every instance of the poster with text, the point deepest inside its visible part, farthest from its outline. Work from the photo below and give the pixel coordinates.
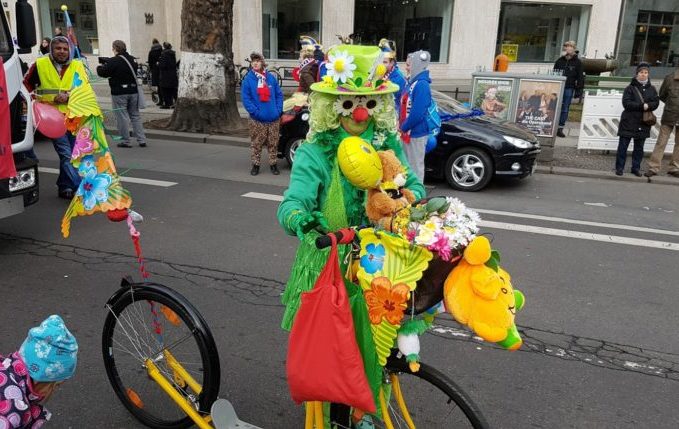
(493, 96)
(537, 105)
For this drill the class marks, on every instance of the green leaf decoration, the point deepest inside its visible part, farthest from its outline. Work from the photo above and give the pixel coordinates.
(495, 254)
(435, 204)
(379, 83)
(358, 81)
(444, 208)
(384, 335)
(493, 263)
(418, 214)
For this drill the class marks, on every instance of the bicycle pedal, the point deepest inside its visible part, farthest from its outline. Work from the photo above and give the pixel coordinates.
(224, 416)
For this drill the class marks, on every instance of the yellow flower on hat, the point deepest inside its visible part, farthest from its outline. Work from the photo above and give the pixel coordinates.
(341, 66)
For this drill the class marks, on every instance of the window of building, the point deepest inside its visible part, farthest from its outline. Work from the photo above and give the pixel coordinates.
(656, 39)
(83, 17)
(540, 29)
(412, 24)
(284, 21)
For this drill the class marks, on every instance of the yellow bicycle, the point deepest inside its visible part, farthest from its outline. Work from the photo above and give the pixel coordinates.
(162, 361)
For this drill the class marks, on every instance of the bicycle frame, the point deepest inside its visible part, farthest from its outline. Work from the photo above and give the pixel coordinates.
(181, 377)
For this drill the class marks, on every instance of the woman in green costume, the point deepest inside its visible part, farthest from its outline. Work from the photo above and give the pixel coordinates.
(351, 100)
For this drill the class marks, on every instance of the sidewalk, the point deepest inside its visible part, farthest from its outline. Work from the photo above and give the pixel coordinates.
(568, 160)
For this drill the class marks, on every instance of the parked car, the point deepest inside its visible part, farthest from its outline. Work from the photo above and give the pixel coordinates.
(293, 131)
(470, 149)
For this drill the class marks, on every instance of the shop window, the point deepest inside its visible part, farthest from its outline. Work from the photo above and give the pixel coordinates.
(540, 29)
(284, 21)
(412, 24)
(656, 39)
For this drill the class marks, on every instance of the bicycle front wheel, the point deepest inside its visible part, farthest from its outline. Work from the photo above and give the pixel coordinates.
(421, 400)
(153, 322)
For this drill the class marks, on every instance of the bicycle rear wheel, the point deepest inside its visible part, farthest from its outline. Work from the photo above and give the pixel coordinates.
(425, 399)
(147, 321)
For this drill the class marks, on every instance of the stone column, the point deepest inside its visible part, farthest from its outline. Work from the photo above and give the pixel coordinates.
(336, 18)
(473, 36)
(247, 29)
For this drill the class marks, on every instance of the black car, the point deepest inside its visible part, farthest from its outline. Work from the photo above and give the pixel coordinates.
(293, 131)
(469, 152)
(471, 149)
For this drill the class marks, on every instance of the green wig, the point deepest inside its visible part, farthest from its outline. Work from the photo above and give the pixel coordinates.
(323, 116)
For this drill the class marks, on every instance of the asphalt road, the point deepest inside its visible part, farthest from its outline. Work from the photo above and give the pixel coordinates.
(596, 259)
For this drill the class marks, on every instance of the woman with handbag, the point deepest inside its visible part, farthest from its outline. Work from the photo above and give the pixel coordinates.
(640, 99)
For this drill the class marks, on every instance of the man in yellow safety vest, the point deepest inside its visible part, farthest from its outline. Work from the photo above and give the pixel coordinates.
(51, 78)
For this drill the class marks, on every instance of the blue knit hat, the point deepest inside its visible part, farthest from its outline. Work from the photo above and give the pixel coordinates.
(50, 351)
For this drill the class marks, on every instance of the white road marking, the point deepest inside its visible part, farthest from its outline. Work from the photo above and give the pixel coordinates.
(150, 182)
(580, 222)
(260, 196)
(582, 235)
(597, 204)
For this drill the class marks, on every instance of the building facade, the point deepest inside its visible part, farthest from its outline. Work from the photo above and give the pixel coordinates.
(462, 35)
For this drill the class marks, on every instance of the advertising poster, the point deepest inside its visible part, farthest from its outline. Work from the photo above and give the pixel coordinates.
(511, 50)
(493, 96)
(537, 105)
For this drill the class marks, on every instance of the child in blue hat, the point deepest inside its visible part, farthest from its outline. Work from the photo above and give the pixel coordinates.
(29, 377)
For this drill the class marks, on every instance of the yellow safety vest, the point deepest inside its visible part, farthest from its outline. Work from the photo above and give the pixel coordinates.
(52, 84)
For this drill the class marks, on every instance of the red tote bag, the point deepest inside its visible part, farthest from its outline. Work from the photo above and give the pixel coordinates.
(324, 362)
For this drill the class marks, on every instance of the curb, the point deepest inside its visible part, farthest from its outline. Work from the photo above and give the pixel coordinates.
(605, 175)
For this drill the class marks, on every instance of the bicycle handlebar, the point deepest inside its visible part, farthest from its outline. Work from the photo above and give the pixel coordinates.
(343, 236)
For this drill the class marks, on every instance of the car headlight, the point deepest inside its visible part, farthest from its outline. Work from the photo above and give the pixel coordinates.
(520, 143)
(23, 180)
(305, 116)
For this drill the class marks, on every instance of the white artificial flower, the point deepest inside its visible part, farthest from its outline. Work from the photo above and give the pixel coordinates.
(341, 66)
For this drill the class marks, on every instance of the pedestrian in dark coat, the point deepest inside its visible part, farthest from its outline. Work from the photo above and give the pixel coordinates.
(571, 67)
(639, 97)
(154, 57)
(169, 80)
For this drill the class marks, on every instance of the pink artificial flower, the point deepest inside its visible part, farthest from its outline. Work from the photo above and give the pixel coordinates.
(441, 246)
(83, 143)
(411, 234)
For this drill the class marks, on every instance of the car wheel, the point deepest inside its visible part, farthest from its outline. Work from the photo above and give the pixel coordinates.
(292, 147)
(469, 169)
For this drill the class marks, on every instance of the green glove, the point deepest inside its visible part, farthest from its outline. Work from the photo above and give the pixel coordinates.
(301, 223)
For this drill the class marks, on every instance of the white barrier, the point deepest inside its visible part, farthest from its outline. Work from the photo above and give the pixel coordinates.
(601, 117)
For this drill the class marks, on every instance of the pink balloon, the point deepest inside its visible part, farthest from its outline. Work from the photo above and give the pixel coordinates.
(49, 120)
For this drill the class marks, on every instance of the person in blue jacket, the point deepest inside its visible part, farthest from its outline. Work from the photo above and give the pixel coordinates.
(413, 112)
(263, 99)
(393, 74)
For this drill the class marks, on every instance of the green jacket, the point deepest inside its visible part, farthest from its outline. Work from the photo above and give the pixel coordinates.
(669, 94)
(316, 183)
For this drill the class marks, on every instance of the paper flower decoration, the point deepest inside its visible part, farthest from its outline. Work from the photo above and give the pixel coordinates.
(374, 259)
(386, 301)
(341, 66)
(94, 188)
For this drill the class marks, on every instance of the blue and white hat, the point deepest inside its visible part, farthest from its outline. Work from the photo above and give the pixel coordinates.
(50, 351)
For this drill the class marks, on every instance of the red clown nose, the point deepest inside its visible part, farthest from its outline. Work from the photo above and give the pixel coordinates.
(360, 114)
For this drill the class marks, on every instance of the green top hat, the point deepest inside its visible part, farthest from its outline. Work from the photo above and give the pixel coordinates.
(354, 70)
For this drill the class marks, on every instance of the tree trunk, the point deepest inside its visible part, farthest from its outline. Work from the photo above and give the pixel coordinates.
(207, 87)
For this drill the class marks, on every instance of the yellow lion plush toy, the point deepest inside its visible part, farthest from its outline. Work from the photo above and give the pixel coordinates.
(482, 297)
(390, 195)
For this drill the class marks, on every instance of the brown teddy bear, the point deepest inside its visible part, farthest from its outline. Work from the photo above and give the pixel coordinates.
(389, 196)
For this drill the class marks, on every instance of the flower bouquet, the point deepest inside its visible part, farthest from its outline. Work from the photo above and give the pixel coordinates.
(444, 226)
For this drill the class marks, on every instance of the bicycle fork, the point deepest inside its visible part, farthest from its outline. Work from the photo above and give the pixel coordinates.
(316, 420)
